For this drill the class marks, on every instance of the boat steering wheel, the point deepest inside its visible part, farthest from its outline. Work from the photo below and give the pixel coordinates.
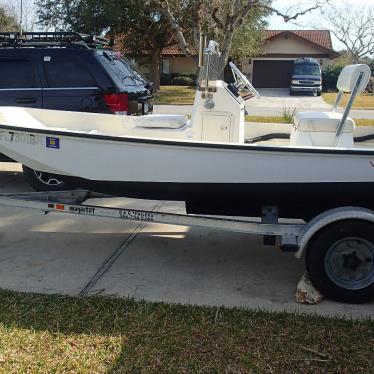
(242, 83)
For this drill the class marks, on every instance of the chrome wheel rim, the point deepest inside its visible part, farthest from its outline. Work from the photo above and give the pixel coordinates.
(47, 179)
(349, 263)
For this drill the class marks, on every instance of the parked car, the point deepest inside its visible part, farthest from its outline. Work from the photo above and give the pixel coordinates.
(306, 77)
(68, 71)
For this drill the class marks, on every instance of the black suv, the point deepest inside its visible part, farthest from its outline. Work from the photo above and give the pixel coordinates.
(68, 71)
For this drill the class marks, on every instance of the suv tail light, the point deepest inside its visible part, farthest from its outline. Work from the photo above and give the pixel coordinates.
(118, 103)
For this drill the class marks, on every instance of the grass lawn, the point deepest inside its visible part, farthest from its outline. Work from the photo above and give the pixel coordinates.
(262, 119)
(363, 101)
(56, 334)
(177, 95)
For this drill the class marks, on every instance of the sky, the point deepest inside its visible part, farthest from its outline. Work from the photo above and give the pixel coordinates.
(310, 20)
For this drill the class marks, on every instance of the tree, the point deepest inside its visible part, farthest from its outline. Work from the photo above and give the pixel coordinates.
(7, 21)
(354, 27)
(225, 21)
(142, 30)
(12, 8)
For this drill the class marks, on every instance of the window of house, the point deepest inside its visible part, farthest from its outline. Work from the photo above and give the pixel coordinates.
(63, 71)
(16, 73)
(166, 66)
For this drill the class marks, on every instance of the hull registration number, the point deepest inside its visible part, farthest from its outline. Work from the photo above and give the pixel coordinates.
(20, 137)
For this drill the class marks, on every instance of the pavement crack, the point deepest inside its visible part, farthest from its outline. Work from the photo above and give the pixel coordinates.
(109, 261)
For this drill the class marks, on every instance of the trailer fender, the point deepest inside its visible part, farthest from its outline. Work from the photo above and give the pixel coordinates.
(328, 217)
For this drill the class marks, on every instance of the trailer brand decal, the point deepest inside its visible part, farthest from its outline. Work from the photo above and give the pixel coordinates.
(52, 142)
(20, 137)
(134, 215)
(82, 209)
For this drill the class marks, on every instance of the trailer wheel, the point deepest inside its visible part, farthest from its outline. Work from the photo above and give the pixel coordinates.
(41, 181)
(340, 261)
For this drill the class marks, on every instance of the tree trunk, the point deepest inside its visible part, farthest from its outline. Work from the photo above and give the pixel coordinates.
(155, 67)
(221, 66)
(225, 51)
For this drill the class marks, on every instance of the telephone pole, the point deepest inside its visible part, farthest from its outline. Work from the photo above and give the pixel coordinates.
(20, 18)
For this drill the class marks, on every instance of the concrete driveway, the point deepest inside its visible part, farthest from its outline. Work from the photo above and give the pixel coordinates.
(83, 256)
(280, 98)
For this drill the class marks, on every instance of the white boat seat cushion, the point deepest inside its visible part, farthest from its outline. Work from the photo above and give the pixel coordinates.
(321, 122)
(162, 121)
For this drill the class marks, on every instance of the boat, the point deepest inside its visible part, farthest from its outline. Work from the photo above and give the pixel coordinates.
(213, 161)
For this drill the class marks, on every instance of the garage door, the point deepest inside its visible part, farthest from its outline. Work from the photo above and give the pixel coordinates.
(272, 74)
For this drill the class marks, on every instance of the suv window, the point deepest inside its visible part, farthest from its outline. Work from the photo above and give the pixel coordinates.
(126, 74)
(16, 73)
(63, 71)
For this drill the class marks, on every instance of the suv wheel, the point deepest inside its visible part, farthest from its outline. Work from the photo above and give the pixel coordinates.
(41, 181)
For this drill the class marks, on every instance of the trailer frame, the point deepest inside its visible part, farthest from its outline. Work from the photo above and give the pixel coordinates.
(292, 237)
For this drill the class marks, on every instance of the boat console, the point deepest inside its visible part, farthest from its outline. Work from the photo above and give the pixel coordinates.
(219, 108)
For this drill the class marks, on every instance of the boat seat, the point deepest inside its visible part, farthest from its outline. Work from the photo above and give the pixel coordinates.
(162, 121)
(322, 122)
(331, 129)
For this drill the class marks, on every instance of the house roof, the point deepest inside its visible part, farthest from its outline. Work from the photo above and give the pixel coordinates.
(321, 38)
(174, 50)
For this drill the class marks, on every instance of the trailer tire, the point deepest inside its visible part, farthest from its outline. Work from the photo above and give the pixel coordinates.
(41, 181)
(340, 261)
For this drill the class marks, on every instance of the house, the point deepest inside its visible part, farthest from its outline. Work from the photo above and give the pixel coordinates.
(273, 68)
(175, 62)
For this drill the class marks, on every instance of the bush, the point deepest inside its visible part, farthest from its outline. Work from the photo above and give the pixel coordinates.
(289, 115)
(370, 86)
(330, 77)
(184, 80)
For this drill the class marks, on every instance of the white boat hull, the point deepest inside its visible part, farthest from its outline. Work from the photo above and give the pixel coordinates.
(211, 177)
(155, 160)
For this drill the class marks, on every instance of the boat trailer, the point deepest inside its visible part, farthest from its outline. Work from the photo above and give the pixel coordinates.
(338, 244)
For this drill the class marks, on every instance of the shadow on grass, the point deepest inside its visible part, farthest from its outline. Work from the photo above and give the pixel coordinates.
(158, 337)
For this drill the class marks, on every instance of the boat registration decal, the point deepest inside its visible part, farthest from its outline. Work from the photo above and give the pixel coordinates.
(52, 142)
(372, 164)
(20, 137)
(134, 215)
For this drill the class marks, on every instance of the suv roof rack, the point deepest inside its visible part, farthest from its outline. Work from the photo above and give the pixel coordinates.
(52, 40)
